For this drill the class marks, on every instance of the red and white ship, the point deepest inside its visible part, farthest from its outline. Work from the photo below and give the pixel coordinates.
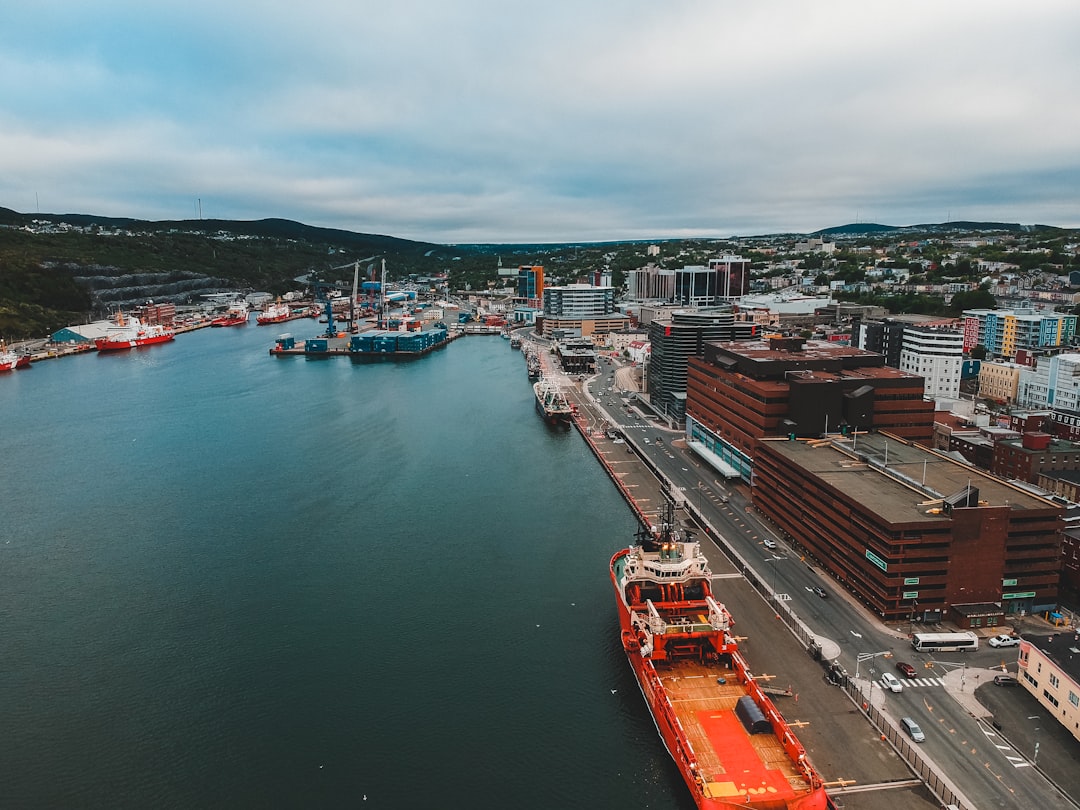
(732, 746)
(130, 332)
(235, 315)
(275, 313)
(10, 361)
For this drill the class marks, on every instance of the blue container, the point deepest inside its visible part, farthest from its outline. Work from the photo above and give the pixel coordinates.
(386, 342)
(315, 345)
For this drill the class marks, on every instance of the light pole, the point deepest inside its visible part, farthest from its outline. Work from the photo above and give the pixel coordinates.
(861, 657)
(1035, 758)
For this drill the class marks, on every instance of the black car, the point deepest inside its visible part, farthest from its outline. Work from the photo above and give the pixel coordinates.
(1005, 680)
(821, 592)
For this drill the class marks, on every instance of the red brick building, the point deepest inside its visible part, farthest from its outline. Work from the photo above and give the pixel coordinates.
(910, 532)
(742, 391)
(1032, 454)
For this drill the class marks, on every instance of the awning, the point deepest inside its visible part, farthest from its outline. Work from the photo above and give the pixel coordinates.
(714, 460)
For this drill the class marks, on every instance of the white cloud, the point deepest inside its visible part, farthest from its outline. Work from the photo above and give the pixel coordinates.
(558, 121)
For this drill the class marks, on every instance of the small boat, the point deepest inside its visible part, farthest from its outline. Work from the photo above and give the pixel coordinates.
(730, 743)
(10, 361)
(275, 313)
(235, 315)
(130, 332)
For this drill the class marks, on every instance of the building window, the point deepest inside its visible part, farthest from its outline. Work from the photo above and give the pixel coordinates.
(1054, 681)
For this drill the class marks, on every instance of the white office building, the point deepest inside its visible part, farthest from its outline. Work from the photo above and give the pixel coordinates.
(937, 355)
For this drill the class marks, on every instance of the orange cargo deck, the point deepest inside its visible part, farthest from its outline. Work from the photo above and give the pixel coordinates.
(735, 765)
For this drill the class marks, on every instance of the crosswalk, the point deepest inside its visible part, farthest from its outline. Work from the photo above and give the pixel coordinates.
(910, 682)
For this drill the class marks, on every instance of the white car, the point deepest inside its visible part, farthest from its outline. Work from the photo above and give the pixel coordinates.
(1003, 641)
(891, 682)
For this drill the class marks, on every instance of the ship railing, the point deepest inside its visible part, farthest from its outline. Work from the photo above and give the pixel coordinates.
(657, 626)
(718, 616)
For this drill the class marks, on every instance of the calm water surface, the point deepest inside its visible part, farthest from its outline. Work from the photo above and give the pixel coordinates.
(229, 580)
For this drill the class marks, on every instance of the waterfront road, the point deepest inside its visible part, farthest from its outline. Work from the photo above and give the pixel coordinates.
(986, 768)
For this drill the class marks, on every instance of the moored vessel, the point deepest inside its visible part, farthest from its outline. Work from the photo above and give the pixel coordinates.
(130, 332)
(277, 312)
(236, 315)
(10, 361)
(551, 402)
(731, 744)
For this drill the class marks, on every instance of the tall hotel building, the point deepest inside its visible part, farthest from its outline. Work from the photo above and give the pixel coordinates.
(673, 342)
(581, 308)
(725, 278)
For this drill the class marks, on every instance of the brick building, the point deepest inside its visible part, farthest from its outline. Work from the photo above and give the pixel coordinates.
(911, 532)
(1034, 453)
(742, 391)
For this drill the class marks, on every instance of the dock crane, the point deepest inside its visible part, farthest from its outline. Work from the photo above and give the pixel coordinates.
(321, 291)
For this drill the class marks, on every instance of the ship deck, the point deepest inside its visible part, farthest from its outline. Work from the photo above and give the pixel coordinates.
(735, 765)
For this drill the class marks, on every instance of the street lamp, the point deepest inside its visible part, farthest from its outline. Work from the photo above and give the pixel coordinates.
(1035, 759)
(861, 657)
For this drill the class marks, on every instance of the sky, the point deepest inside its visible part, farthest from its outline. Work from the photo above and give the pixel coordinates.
(458, 121)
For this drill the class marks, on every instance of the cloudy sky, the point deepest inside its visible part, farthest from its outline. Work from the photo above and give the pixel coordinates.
(476, 120)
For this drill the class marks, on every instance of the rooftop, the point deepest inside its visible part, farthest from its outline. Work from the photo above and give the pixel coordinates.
(1061, 648)
(1054, 446)
(810, 351)
(904, 482)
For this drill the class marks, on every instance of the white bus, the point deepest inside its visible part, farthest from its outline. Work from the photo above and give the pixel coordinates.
(946, 642)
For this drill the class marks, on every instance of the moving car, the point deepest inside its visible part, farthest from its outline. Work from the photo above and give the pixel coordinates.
(820, 592)
(912, 728)
(907, 670)
(891, 682)
(1004, 641)
(768, 542)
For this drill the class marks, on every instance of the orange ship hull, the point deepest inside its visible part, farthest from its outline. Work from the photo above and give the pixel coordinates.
(697, 687)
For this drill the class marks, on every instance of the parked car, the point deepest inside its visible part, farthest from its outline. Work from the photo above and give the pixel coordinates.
(891, 682)
(1004, 641)
(907, 670)
(1005, 680)
(912, 728)
(821, 592)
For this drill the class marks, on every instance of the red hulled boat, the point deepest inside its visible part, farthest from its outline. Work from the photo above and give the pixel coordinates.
(732, 746)
(130, 332)
(275, 313)
(235, 315)
(10, 361)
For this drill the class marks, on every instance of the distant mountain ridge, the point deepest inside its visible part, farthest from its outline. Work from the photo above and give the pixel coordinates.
(858, 228)
(278, 228)
(273, 228)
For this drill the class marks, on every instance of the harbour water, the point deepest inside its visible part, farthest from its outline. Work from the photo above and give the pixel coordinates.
(230, 580)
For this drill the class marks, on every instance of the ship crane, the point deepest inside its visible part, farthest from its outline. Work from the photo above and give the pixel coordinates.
(323, 293)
